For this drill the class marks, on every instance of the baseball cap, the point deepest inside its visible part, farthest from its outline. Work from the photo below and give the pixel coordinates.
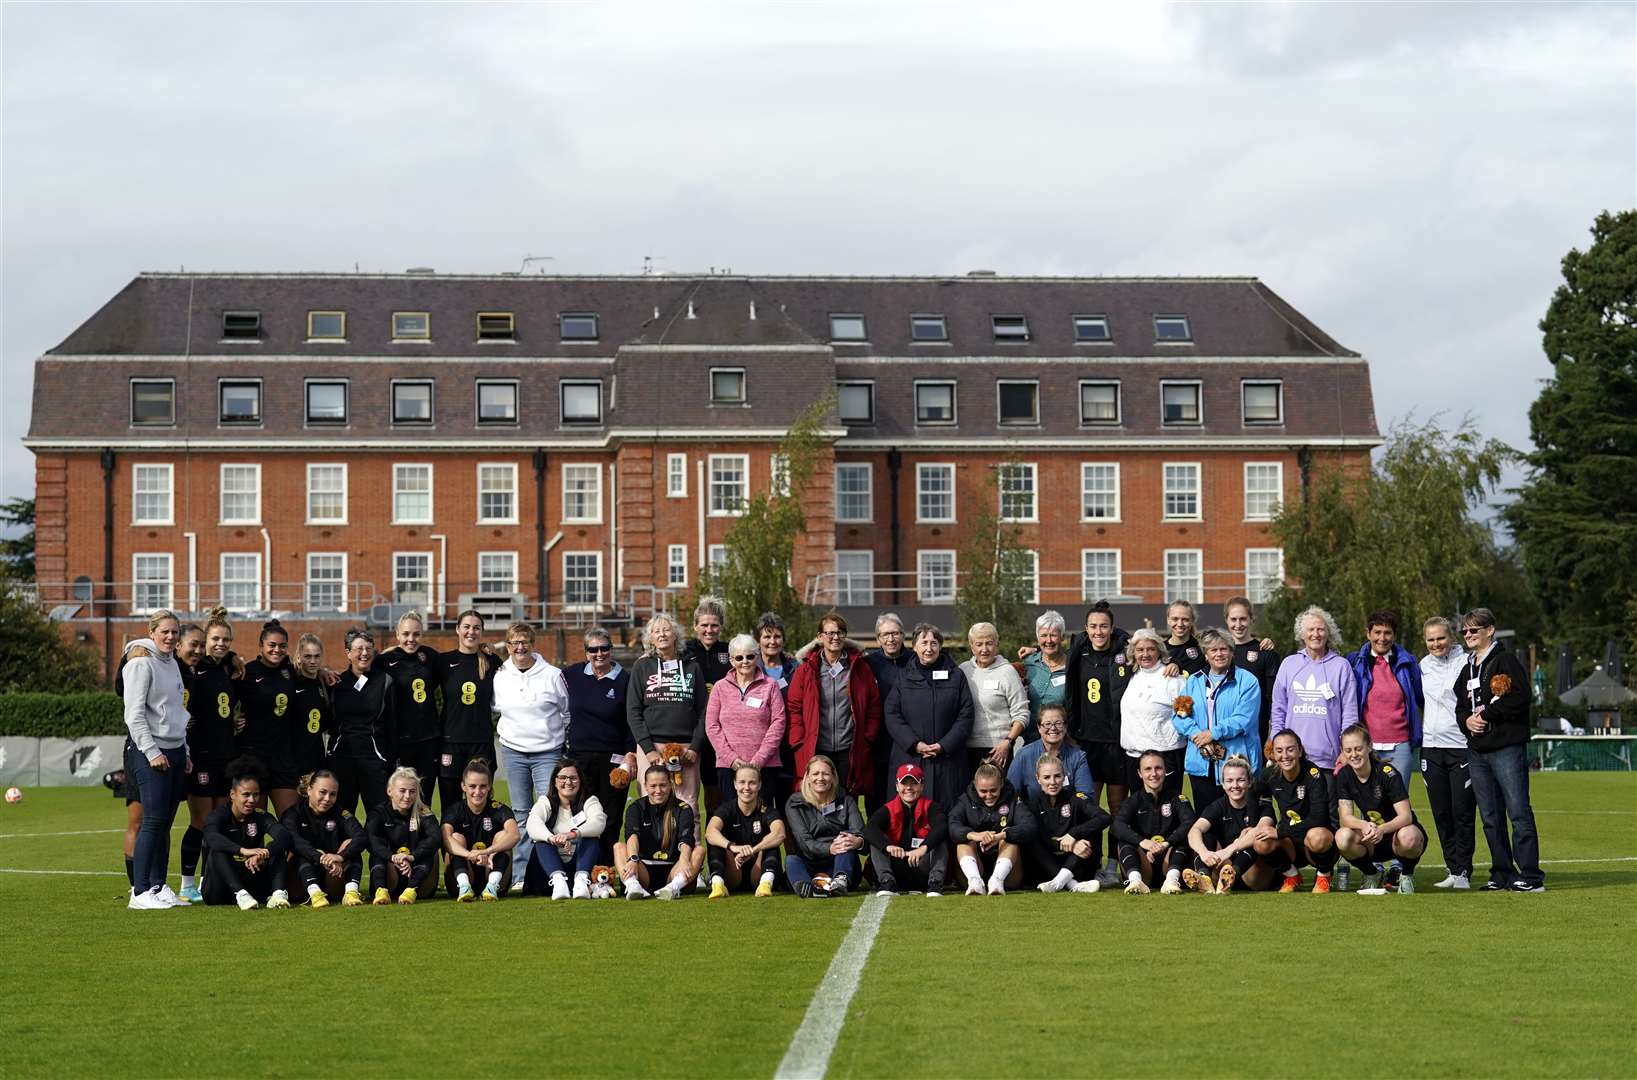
(910, 772)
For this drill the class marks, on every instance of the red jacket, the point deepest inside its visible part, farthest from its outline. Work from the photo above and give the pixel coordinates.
(804, 710)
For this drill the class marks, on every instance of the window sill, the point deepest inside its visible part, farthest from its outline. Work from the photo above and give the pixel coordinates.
(327, 341)
(238, 341)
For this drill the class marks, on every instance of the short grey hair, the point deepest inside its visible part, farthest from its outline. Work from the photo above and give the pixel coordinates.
(710, 605)
(982, 629)
(926, 628)
(596, 633)
(888, 617)
(1148, 633)
(741, 644)
(1323, 616)
(1051, 620)
(1212, 635)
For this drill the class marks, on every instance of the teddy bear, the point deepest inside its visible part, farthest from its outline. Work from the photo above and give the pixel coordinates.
(605, 883)
(619, 779)
(670, 756)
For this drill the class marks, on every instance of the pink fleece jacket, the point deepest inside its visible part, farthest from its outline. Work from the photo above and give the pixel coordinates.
(745, 724)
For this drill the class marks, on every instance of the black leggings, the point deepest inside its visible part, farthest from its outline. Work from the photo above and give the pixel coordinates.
(313, 873)
(1454, 807)
(1131, 861)
(894, 874)
(383, 875)
(765, 863)
(478, 877)
(1042, 862)
(226, 875)
(423, 757)
(360, 775)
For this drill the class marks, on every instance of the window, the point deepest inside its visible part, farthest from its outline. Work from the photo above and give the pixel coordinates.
(1099, 403)
(240, 494)
(934, 577)
(778, 471)
(411, 326)
(411, 403)
(855, 577)
(496, 326)
(1264, 572)
(676, 476)
(497, 494)
(717, 554)
(326, 582)
(412, 494)
(577, 327)
(150, 583)
(1179, 402)
(152, 494)
(727, 386)
(412, 578)
(1091, 329)
(729, 484)
(153, 402)
(1009, 328)
(1017, 491)
(326, 403)
(496, 402)
(856, 402)
(241, 580)
(1099, 574)
(934, 403)
(928, 328)
(1263, 402)
(1021, 574)
(327, 494)
(1019, 401)
(854, 481)
(326, 326)
(1099, 491)
(239, 401)
(582, 401)
(582, 578)
(1171, 328)
(1184, 578)
(582, 493)
(934, 493)
(241, 325)
(676, 566)
(1181, 491)
(847, 328)
(497, 571)
(1264, 489)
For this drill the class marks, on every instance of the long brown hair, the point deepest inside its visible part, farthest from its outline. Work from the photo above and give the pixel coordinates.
(669, 831)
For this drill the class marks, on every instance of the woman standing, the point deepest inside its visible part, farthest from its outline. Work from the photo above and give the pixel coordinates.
(779, 666)
(468, 680)
(659, 832)
(411, 667)
(156, 754)
(664, 704)
(1047, 671)
(744, 718)
(1233, 837)
(312, 717)
(1183, 656)
(532, 699)
(835, 708)
(266, 691)
(929, 715)
(826, 832)
(744, 835)
(249, 852)
(1444, 754)
(1000, 704)
(1218, 714)
(364, 727)
(568, 827)
(1314, 694)
(1152, 829)
(1146, 713)
(599, 738)
(211, 693)
(327, 842)
(404, 841)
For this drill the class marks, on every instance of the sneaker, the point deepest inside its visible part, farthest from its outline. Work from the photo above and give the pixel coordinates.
(1172, 887)
(246, 902)
(318, 900)
(974, 888)
(885, 892)
(1050, 886)
(719, 891)
(1453, 881)
(279, 901)
(350, 898)
(1086, 886)
(490, 894)
(1524, 886)
(1291, 883)
(803, 889)
(465, 895)
(1225, 880)
(764, 888)
(1136, 887)
(582, 886)
(634, 891)
(171, 898)
(838, 885)
(191, 894)
(144, 901)
(408, 896)
(670, 892)
(1496, 886)
(1370, 885)
(382, 897)
(1196, 881)
(1344, 875)
(997, 887)
(1406, 884)
(559, 886)
(1321, 883)
(517, 887)
(934, 892)
(1108, 876)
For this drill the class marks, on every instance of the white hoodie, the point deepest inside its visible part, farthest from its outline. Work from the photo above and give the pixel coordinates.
(1439, 731)
(1146, 711)
(533, 707)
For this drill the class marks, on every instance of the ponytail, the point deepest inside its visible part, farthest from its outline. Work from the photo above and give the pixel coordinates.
(306, 782)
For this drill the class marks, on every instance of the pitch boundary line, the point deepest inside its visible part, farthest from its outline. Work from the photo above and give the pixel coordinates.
(808, 1056)
(74, 832)
(75, 873)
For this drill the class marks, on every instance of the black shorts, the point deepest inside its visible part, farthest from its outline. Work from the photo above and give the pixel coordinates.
(284, 774)
(208, 780)
(1107, 763)
(454, 756)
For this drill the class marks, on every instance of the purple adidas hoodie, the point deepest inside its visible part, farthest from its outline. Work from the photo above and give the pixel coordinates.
(1315, 699)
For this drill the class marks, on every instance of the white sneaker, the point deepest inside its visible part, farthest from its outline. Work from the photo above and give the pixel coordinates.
(635, 891)
(997, 887)
(933, 892)
(886, 892)
(974, 888)
(1086, 886)
(171, 898)
(146, 901)
(517, 888)
(1370, 885)
(670, 892)
(246, 902)
(1453, 881)
(559, 886)
(1050, 886)
(582, 885)
(278, 901)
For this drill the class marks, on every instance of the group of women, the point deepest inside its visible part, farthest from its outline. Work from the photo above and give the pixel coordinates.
(826, 771)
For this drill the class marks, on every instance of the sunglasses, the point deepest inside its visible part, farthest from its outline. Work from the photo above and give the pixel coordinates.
(1467, 631)
(746, 656)
(599, 648)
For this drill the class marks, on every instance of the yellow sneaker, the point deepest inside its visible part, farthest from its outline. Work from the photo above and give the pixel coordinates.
(319, 900)
(1197, 881)
(465, 895)
(407, 897)
(719, 890)
(490, 894)
(764, 889)
(382, 896)
(351, 899)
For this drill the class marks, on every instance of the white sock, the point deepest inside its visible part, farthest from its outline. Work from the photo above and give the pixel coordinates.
(716, 879)
(767, 877)
(463, 880)
(189, 881)
(494, 878)
(1133, 877)
(1173, 875)
(675, 886)
(352, 886)
(1063, 879)
(1003, 867)
(1291, 871)
(313, 890)
(973, 872)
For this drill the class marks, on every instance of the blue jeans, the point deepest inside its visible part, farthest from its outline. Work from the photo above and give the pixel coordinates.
(528, 776)
(1402, 758)
(159, 792)
(1500, 781)
(799, 869)
(551, 860)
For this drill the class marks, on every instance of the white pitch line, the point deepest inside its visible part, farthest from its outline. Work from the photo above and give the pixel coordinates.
(76, 832)
(76, 873)
(809, 1054)
(1552, 862)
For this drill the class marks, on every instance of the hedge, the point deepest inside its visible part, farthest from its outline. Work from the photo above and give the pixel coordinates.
(61, 716)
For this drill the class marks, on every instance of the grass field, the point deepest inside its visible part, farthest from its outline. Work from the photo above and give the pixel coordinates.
(1467, 985)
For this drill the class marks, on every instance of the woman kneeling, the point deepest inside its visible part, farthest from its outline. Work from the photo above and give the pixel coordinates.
(1234, 837)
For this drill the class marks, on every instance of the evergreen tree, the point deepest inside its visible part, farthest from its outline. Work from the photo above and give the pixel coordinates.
(33, 654)
(993, 571)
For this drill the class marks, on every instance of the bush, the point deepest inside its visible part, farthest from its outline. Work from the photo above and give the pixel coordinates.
(61, 716)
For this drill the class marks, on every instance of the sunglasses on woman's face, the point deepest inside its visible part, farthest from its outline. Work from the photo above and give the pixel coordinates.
(599, 648)
(745, 656)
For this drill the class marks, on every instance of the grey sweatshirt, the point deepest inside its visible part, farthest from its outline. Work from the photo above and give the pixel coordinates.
(154, 713)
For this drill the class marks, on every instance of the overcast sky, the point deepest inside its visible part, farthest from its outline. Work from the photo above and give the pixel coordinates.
(1408, 176)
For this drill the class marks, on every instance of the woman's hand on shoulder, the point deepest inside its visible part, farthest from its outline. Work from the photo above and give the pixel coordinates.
(137, 652)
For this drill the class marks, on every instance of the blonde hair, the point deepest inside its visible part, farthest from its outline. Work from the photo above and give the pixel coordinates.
(1148, 634)
(982, 630)
(305, 639)
(520, 627)
(807, 778)
(404, 772)
(411, 616)
(160, 616)
(1237, 761)
(661, 618)
(217, 616)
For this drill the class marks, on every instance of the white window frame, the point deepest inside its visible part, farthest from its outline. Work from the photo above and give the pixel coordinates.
(506, 468)
(154, 469)
(138, 582)
(1261, 596)
(1034, 571)
(477, 403)
(868, 386)
(1119, 405)
(925, 595)
(222, 582)
(954, 402)
(221, 493)
(716, 554)
(1278, 468)
(597, 557)
(594, 492)
(676, 566)
(397, 490)
(778, 473)
(744, 484)
(1086, 468)
(1199, 402)
(1193, 596)
(307, 585)
(1086, 592)
(744, 386)
(1279, 398)
(1033, 421)
(854, 468)
(426, 558)
(844, 591)
(1033, 471)
(315, 519)
(922, 468)
(676, 476)
(513, 578)
(1166, 491)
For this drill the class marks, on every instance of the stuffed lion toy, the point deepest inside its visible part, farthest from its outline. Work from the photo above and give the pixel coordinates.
(619, 779)
(1183, 705)
(605, 884)
(670, 756)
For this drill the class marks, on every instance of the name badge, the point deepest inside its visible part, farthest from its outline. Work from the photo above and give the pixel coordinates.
(1059, 680)
(670, 665)
(1473, 684)
(616, 759)
(916, 841)
(1327, 692)
(940, 676)
(784, 683)
(363, 681)
(753, 702)
(448, 760)
(991, 684)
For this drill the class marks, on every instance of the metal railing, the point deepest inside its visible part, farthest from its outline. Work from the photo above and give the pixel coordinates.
(87, 599)
(1066, 587)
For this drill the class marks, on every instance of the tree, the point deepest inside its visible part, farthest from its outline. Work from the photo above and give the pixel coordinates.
(33, 654)
(1400, 535)
(761, 543)
(1575, 516)
(995, 570)
(17, 552)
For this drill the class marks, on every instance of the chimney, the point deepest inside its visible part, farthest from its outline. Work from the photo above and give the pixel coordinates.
(691, 315)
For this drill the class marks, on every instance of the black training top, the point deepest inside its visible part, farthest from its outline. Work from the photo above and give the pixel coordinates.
(313, 834)
(468, 696)
(1227, 821)
(478, 829)
(1299, 804)
(265, 701)
(390, 834)
(1374, 798)
(415, 679)
(227, 834)
(310, 719)
(646, 821)
(1142, 817)
(210, 693)
(742, 828)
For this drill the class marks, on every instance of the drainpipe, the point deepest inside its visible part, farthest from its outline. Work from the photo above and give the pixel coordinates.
(443, 568)
(193, 570)
(108, 563)
(541, 574)
(895, 462)
(267, 568)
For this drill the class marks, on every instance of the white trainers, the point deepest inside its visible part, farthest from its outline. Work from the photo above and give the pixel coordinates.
(146, 901)
(634, 891)
(278, 901)
(582, 885)
(171, 898)
(997, 887)
(1453, 881)
(517, 888)
(886, 892)
(559, 886)
(974, 888)
(1086, 886)
(246, 901)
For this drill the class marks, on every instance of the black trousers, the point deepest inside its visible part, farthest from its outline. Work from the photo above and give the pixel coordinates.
(361, 775)
(1206, 791)
(1454, 807)
(312, 873)
(383, 875)
(767, 862)
(594, 769)
(896, 874)
(225, 876)
(423, 757)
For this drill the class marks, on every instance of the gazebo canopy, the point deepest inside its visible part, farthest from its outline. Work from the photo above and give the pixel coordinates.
(1598, 691)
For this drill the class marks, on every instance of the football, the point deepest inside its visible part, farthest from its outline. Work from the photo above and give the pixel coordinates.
(14, 794)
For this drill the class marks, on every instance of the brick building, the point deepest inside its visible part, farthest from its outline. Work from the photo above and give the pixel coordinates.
(332, 446)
